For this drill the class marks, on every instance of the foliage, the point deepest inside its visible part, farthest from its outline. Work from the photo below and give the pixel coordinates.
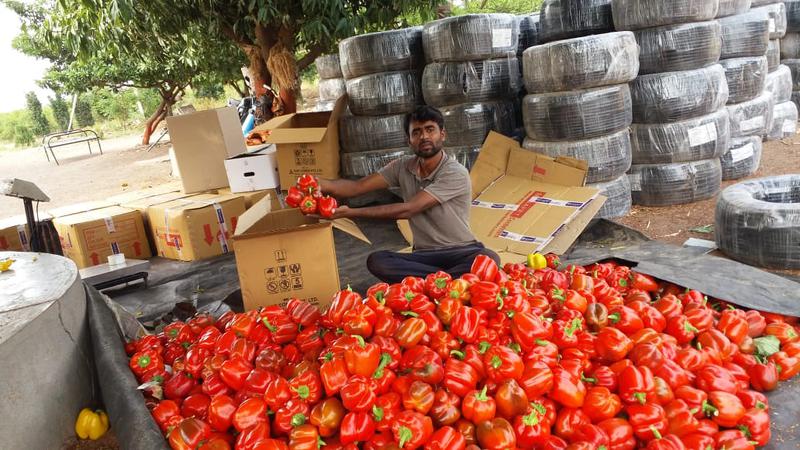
(498, 6)
(83, 113)
(39, 124)
(60, 111)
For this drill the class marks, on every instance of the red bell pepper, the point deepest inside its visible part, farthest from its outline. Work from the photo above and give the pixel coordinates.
(164, 412)
(278, 393)
(256, 437)
(343, 301)
(484, 267)
(249, 413)
(478, 407)
(362, 358)
(291, 414)
(418, 397)
(755, 425)
(568, 389)
(302, 313)
(712, 377)
(144, 361)
(179, 386)
(304, 437)
(294, 197)
(279, 324)
(733, 440)
(620, 434)
(360, 320)
(327, 415)
(410, 332)
(496, 434)
(436, 284)
(502, 363)
(306, 387)
(358, 394)
(307, 183)
(309, 205)
(327, 206)
(423, 364)
(356, 427)
(648, 420)
(446, 438)
(459, 377)
(221, 411)
(412, 429)
(601, 404)
(636, 385)
(724, 408)
(189, 434)
(446, 408)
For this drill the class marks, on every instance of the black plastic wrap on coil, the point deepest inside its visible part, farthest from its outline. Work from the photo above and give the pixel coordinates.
(776, 16)
(466, 155)
(384, 93)
(790, 46)
(779, 84)
(744, 35)
(675, 96)
(577, 115)
(530, 32)
(784, 121)
(385, 51)
(753, 117)
(331, 88)
(742, 158)
(758, 222)
(581, 63)
(361, 164)
(563, 19)
(794, 68)
(365, 133)
(471, 37)
(705, 137)
(792, 16)
(746, 77)
(450, 83)
(328, 66)
(774, 54)
(678, 47)
(674, 184)
(609, 157)
(618, 197)
(638, 14)
(468, 124)
(732, 7)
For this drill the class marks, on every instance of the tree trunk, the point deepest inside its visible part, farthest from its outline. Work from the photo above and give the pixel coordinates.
(168, 98)
(289, 99)
(259, 75)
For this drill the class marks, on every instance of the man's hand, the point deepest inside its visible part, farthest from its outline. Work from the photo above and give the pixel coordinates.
(341, 212)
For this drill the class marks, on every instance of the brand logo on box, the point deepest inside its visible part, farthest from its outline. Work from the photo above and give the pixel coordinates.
(304, 157)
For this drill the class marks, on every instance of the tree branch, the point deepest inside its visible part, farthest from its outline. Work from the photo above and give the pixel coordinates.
(309, 58)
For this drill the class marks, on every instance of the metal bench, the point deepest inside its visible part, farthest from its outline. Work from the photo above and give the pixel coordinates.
(64, 138)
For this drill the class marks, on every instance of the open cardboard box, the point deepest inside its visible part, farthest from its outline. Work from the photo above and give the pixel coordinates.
(526, 202)
(284, 254)
(307, 143)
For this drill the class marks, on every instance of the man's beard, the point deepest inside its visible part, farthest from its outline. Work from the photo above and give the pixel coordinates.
(430, 152)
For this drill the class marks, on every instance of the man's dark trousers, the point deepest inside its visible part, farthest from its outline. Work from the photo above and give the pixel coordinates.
(392, 267)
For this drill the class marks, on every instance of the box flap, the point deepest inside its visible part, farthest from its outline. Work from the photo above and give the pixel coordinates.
(535, 166)
(523, 216)
(296, 135)
(350, 227)
(13, 221)
(260, 220)
(491, 163)
(405, 230)
(562, 242)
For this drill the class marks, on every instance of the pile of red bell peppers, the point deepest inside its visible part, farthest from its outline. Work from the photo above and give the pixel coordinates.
(598, 357)
(307, 196)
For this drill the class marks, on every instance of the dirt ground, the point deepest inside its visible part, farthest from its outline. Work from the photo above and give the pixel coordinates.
(124, 165)
(673, 224)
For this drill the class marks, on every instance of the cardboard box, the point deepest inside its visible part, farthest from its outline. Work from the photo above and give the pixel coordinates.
(195, 227)
(284, 254)
(15, 235)
(526, 202)
(202, 141)
(307, 143)
(251, 198)
(253, 171)
(79, 208)
(89, 237)
(143, 206)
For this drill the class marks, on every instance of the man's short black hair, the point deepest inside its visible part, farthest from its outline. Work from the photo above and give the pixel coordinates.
(424, 113)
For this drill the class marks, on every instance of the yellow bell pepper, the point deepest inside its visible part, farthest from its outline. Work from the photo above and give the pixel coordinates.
(91, 424)
(537, 261)
(5, 264)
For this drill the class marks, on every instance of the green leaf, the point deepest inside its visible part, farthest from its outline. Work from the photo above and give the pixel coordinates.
(767, 345)
(705, 229)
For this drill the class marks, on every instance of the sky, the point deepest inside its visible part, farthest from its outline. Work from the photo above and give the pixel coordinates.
(18, 72)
